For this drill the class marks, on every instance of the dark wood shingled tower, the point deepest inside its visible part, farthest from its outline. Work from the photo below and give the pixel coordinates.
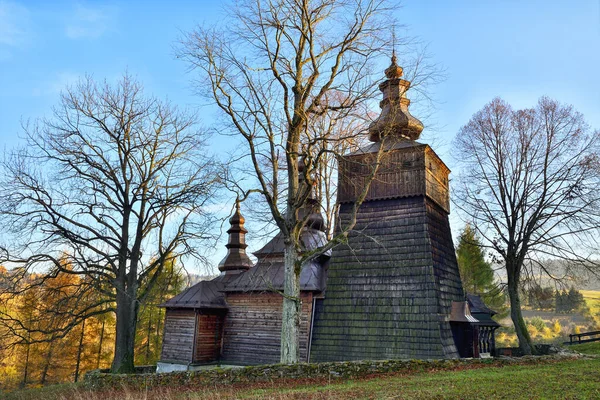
(390, 289)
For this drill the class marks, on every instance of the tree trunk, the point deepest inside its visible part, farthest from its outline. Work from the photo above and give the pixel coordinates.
(290, 324)
(517, 317)
(25, 371)
(47, 361)
(79, 351)
(127, 307)
(100, 344)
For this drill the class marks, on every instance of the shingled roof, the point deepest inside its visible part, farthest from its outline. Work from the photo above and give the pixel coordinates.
(482, 312)
(478, 306)
(204, 294)
(268, 273)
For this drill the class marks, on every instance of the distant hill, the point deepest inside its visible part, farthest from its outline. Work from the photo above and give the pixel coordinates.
(576, 276)
(192, 279)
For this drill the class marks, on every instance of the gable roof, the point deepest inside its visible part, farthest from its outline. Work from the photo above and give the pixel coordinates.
(266, 275)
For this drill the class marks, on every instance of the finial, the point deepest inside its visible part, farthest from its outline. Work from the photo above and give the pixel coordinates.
(394, 60)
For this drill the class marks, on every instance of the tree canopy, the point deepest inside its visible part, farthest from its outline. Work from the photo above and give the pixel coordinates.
(528, 183)
(112, 188)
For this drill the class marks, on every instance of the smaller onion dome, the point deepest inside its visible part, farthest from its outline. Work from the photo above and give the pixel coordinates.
(236, 258)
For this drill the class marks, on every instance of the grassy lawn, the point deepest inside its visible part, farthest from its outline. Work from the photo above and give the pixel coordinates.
(573, 379)
(576, 379)
(587, 348)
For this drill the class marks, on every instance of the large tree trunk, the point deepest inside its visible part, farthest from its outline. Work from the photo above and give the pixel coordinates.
(290, 324)
(515, 313)
(127, 307)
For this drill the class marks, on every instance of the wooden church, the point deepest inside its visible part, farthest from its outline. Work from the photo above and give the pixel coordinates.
(393, 291)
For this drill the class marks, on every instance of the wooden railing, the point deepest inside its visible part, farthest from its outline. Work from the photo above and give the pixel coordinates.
(575, 338)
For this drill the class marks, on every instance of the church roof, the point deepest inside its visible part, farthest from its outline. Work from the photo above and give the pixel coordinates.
(310, 238)
(268, 272)
(204, 294)
(268, 275)
(478, 306)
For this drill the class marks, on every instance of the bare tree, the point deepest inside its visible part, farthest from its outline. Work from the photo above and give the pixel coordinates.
(286, 74)
(529, 183)
(113, 186)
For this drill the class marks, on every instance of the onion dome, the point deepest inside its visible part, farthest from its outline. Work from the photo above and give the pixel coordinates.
(395, 119)
(236, 258)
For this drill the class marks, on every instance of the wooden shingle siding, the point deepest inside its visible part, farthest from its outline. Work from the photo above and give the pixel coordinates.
(389, 290)
(253, 328)
(178, 338)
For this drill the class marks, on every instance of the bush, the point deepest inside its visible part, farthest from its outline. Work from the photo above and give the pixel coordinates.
(556, 327)
(537, 322)
(532, 331)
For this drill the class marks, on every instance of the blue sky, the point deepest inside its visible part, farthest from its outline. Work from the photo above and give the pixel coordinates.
(518, 50)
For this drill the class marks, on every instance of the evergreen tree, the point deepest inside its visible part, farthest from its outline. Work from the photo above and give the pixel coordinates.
(476, 273)
(575, 299)
(559, 300)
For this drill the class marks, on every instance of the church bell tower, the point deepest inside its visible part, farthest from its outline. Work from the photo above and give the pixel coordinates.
(390, 288)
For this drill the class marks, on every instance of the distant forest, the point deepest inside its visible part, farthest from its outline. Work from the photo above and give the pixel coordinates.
(34, 348)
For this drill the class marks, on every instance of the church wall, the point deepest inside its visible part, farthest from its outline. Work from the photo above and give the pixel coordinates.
(390, 296)
(178, 338)
(252, 330)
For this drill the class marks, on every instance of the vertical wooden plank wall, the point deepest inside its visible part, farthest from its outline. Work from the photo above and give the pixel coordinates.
(209, 329)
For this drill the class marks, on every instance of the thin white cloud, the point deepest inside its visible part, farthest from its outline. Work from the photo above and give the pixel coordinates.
(88, 22)
(15, 24)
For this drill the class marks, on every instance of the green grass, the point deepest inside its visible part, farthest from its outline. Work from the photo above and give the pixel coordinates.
(573, 379)
(587, 348)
